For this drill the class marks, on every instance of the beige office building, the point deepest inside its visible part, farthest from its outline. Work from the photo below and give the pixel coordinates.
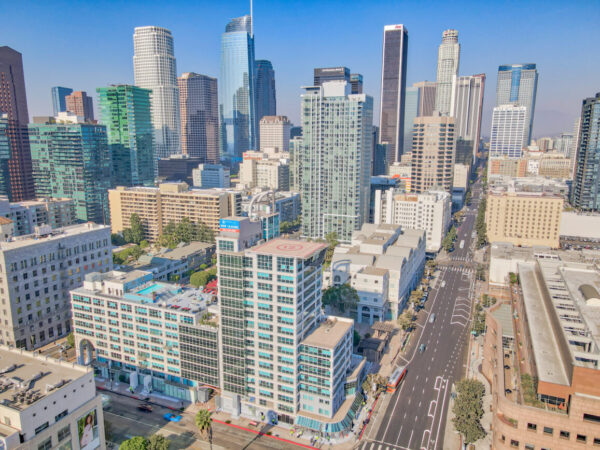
(523, 218)
(275, 133)
(170, 202)
(433, 153)
(510, 167)
(265, 170)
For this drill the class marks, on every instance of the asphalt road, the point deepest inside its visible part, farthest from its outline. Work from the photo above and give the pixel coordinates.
(127, 421)
(414, 416)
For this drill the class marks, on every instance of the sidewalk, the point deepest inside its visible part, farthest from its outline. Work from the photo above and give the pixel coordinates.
(121, 388)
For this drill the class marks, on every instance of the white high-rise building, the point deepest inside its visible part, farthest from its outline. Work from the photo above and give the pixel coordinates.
(509, 127)
(275, 133)
(466, 108)
(154, 67)
(447, 71)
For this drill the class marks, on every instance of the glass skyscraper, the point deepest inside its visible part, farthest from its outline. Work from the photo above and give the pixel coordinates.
(447, 71)
(517, 84)
(236, 89)
(125, 110)
(585, 193)
(509, 124)
(59, 103)
(411, 111)
(266, 103)
(467, 106)
(336, 159)
(393, 90)
(155, 68)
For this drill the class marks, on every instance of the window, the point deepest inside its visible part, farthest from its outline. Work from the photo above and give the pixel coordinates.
(64, 433)
(564, 434)
(596, 441)
(46, 445)
(548, 431)
(531, 427)
(61, 415)
(514, 443)
(591, 417)
(41, 428)
(529, 447)
(581, 438)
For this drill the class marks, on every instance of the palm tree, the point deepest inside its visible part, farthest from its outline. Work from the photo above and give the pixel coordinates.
(204, 421)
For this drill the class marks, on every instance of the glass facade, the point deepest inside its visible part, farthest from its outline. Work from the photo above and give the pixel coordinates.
(58, 99)
(125, 110)
(411, 111)
(266, 103)
(4, 156)
(236, 90)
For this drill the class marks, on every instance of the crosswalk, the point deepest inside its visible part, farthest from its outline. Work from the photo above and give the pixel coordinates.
(376, 445)
(462, 258)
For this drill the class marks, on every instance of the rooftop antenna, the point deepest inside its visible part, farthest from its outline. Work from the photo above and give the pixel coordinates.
(251, 21)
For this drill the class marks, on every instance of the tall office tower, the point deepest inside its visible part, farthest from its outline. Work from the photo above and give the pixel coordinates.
(59, 103)
(80, 104)
(393, 90)
(13, 102)
(356, 80)
(517, 84)
(411, 111)
(336, 160)
(4, 156)
(72, 160)
(427, 91)
(379, 160)
(199, 105)
(266, 103)
(433, 153)
(585, 193)
(275, 134)
(466, 108)
(125, 110)
(447, 71)
(295, 131)
(236, 89)
(509, 125)
(155, 68)
(324, 74)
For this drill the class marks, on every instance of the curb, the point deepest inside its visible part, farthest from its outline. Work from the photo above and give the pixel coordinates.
(260, 433)
(172, 408)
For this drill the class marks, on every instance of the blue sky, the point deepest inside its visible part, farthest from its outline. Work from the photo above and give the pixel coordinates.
(84, 45)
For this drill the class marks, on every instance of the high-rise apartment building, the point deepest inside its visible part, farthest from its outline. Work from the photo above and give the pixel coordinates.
(275, 133)
(585, 193)
(199, 105)
(517, 84)
(236, 89)
(356, 81)
(296, 163)
(336, 160)
(427, 91)
(434, 144)
(325, 74)
(411, 111)
(72, 160)
(509, 125)
(155, 68)
(266, 101)
(40, 269)
(80, 104)
(126, 113)
(265, 170)
(13, 103)
(171, 202)
(29, 214)
(447, 71)
(59, 103)
(393, 90)
(466, 108)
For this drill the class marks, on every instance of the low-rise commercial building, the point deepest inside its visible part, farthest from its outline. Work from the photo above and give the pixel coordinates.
(170, 202)
(178, 168)
(383, 263)
(27, 215)
(265, 170)
(507, 166)
(153, 335)
(580, 229)
(286, 203)
(48, 404)
(208, 176)
(38, 271)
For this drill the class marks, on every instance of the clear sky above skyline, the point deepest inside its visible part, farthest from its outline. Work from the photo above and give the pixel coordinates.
(84, 45)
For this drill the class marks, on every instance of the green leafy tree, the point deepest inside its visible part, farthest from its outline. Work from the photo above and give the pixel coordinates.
(405, 320)
(135, 443)
(204, 421)
(117, 240)
(448, 242)
(137, 229)
(204, 234)
(356, 338)
(158, 442)
(332, 243)
(342, 297)
(468, 410)
(71, 340)
(374, 383)
(204, 277)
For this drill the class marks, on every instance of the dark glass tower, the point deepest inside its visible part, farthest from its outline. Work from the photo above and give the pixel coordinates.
(59, 103)
(13, 102)
(266, 104)
(393, 90)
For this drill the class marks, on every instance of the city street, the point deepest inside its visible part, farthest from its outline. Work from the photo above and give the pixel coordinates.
(414, 416)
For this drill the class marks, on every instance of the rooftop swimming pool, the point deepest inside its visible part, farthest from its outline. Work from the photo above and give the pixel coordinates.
(150, 289)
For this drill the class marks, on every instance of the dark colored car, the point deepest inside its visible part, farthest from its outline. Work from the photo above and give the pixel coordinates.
(145, 407)
(507, 391)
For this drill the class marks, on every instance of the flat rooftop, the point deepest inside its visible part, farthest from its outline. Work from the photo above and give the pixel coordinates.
(585, 226)
(25, 377)
(504, 317)
(329, 333)
(290, 248)
(56, 234)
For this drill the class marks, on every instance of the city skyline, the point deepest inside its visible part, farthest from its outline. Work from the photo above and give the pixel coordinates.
(558, 101)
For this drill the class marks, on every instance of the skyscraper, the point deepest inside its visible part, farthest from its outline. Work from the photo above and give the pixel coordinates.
(447, 71)
(58, 99)
(80, 104)
(466, 108)
(324, 74)
(517, 84)
(236, 89)
(266, 103)
(13, 102)
(198, 99)
(72, 160)
(336, 160)
(155, 68)
(433, 153)
(125, 110)
(4, 156)
(585, 193)
(411, 111)
(427, 91)
(509, 125)
(356, 80)
(393, 90)
(275, 133)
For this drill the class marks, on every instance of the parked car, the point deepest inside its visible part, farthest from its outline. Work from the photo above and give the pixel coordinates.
(145, 407)
(507, 391)
(172, 417)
